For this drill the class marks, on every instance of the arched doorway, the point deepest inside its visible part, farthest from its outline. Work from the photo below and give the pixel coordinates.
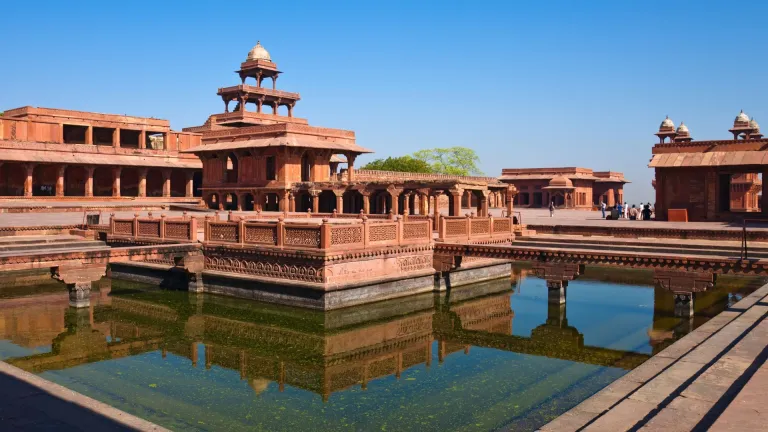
(44, 180)
(232, 168)
(248, 204)
(102, 181)
(327, 201)
(306, 167)
(353, 201)
(75, 178)
(271, 202)
(213, 201)
(129, 182)
(381, 202)
(230, 201)
(303, 201)
(12, 178)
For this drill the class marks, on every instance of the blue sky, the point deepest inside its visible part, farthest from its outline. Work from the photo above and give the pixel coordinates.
(526, 84)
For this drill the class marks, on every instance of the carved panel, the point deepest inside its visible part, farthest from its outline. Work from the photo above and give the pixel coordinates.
(502, 225)
(265, 267)
(260, 234)
(177, 230)
(224, 232)
(418, 230)
(382, 232)
(124, 227)
(307, 237)
(455, 227)
(346, 235)
(480, 226)
(149, 228)
(413, 263)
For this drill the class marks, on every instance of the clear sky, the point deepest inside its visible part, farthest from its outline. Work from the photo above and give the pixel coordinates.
(526, 84)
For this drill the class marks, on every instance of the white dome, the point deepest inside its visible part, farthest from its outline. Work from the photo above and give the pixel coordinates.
(682, 128)
(742, 118)
(753, 124)
(667, 123)
(258, 53)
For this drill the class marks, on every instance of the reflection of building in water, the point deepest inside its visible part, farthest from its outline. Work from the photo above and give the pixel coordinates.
(304, 349)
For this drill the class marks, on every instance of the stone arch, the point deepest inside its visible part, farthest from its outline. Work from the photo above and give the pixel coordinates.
(232, 168)
(178, 183)
(306, 166)
(44, 180)
(12, 178)
(213, 199)
(271, 202)
(230, 201)
(327, 201)
(353, 201)
(248, 202)
(75, 178)
(303, 201)
(129, 182)
(381, 202)
(102, 181)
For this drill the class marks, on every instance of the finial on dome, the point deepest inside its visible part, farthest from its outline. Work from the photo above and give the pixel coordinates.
(667, 124)
(741, 118)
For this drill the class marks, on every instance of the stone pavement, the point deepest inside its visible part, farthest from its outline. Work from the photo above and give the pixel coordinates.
(715, 378)
(30, 403)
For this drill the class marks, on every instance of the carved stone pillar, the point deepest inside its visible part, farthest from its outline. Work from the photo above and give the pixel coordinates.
(78, 281)
(60, 181)
(142, 182)
(423, 204)
(436, 206)
(116, 171)
(395, 201)
(28, 179)
(339, 201)
(684, 304)
(351, 166)
(89, 135)
(189, 190)
(167, 184)
(116, 137)
(366, 202)
(143, 139)
(89, 181)
(284, 206)
(482, 205)
(315, 200)
(455, 205)
(291, 202)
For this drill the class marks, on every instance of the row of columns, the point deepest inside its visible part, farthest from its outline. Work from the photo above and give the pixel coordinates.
(116, 172)
(242, 100)
(116, 137)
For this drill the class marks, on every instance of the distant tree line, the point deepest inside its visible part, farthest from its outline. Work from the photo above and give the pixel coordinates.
(452, 160)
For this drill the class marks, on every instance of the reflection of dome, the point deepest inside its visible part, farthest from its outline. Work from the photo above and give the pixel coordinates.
(258, 53)
(741, 118)
(682, 129)
(667, 123)
(560, 182)
(259, 385)
(753, 124)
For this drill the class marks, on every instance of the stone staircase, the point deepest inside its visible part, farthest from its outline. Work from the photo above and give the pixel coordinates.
(649, 246)
(35, 245)
(715, 378)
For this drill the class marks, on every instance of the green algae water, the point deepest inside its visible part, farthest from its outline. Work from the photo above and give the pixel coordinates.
(492, 356)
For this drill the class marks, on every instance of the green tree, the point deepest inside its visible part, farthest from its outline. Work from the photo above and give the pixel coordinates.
(452, 160)
(400, 164)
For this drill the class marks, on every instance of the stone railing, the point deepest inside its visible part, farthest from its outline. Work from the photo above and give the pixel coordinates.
(457, 228)
(324, 236)
(259, 90)
(154, 229)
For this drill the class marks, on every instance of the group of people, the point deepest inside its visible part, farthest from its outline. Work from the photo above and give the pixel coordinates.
(644, 212)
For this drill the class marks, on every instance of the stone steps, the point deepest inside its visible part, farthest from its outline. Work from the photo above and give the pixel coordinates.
(36, 245)
(655, 247)
(692, 384)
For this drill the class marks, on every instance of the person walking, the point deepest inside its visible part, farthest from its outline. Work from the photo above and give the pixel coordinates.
(602, 207)
(626, 210)
(633, 213)
(619, 210)
(552, 209)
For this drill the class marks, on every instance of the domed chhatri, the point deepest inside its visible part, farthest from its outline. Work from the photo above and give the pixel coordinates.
(753, 124)
(667, 124)
(682, 129)
(741, 118)
(258, 53)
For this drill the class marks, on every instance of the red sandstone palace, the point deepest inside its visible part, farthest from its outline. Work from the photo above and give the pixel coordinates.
(576, 188)
(710, 180)
(60, 153)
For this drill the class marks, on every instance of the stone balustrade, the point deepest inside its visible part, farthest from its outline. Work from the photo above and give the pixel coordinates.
(154, 229)
(324, 236)
(458, 229)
